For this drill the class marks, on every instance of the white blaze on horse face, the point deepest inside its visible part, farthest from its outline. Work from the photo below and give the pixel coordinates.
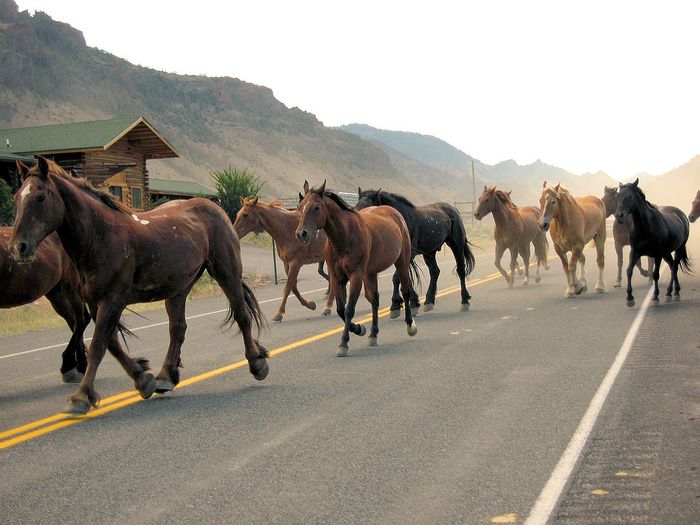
(25, 192)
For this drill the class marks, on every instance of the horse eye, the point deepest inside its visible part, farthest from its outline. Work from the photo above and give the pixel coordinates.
(40, 198)
(316, 208)
(554, 202)
(245, 215)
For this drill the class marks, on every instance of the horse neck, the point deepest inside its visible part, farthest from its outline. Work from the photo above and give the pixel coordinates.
(503, 215)
(567, 206)
(339, 223)
(644, 218)
(279, 223)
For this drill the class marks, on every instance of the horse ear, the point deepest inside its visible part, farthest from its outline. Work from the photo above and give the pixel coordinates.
(620, 184)
(254, 201)
(301, 197)
(359, 190)
(556, 188)
(636, 182)
(242, 200)
(485, 188)
(379, 191)
(511, 191)
(43, 167)
(322, 188)
(22, 169)
(544, 184)
(306, 187)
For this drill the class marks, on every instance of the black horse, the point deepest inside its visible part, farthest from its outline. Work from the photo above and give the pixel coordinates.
(656, 232)
(430, 227)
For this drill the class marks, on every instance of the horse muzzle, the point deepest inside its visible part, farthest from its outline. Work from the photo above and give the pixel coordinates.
(543, 226)
(303, 236)
(22, 252)
(692, 217)
(620, 218)
(477, 216)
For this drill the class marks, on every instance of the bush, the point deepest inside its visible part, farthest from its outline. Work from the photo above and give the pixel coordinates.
(7, 204)
(232, 185)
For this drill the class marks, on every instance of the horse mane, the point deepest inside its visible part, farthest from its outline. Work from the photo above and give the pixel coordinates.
(391, 199)
(503, 197)
(86, 186)
(641, 194)
(273, 204)
(337, 199)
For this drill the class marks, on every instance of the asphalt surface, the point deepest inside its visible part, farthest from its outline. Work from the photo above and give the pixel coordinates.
(463, 423)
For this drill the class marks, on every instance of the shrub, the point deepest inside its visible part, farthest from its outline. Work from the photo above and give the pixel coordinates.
(7, 204)
(232, 185)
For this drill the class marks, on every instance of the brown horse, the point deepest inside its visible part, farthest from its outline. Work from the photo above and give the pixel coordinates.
(360, 245)
(516, 228)
(574, 222)
(257, 216)
(621, 236)
(695, 208)
(123, 258)
(52, 274)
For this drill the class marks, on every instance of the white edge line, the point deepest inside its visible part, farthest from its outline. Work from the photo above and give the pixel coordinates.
(546, 502)
(154, 325)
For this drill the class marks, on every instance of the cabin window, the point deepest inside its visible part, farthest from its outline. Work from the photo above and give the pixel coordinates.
(137, 198)
(117, 192)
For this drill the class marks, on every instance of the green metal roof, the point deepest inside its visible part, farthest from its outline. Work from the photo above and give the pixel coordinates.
(11, 157)
(186, 188)
(74, 136)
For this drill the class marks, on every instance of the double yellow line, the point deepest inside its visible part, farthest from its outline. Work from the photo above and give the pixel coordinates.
(40, 427)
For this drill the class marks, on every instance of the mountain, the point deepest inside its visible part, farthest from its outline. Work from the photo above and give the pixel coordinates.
(676, 187)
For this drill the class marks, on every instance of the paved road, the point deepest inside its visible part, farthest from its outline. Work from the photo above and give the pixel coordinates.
(465, 423)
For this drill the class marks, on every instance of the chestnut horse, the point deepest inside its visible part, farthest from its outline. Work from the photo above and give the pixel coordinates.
(572, 223)
(257, 216)
(695, 208)
(123, 258)
(516, 228)
(52, 274)
(621, 236)
(360, 245)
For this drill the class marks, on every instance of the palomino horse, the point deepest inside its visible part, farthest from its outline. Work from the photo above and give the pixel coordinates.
(360, 245)
(52, 274)
(123, 258)
(430, 227)
(257, 216)
(621, 235)
(516, 228)
(695, 208)
(572, 223)
(656, 232)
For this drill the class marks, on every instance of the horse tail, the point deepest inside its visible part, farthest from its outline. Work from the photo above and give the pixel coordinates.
(541, 247)
(469, 259)
(414, 272)
(684, 262)
(459, 232)
(252, 307)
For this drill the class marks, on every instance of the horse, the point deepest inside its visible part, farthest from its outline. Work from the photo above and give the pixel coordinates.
(124, 258)
(516, 228)
(621, 235)
(695, 208)
(657, 232)
(52, 274)
(359, 245)
(257, 216)
(573, 222)
(430, 227)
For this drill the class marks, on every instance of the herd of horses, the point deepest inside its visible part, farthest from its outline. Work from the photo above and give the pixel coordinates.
(92, 257)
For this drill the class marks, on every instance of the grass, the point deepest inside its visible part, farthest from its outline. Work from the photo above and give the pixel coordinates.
(260, 240)
(40, 315)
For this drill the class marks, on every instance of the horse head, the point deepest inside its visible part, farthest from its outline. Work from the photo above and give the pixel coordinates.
(628, 198)
(609, 198)
(313, 213)
(248, 218)
(549, 205)
(487, 201)
(367, 198)
(695, 209)
(39, 209)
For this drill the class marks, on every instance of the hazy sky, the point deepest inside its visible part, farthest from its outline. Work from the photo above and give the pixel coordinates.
(591, 85)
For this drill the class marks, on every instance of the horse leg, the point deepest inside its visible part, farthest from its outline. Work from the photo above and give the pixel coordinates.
(499, 255)
(677, 289)
(293, 277)
(396, 301)
(672, 264)
(285, 294)
(525, 254)
(569, 292)
(68, 304)
(655, 279)
(580, 283)
(434, 270)
(325, 276)
(355, 286)
(630, 269)
(402, 267)
(169, 375)
(650, 268)
(458, 245)
(513, 264)
(618, 252)
(600, 260)
(372, 295)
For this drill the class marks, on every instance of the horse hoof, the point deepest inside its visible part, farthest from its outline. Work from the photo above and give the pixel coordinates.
(393, 314)
(414, 311)
(538, 279)
(676, 297)
(148, 386)
(427, 307)
(264, 370)
(372, 341)
(278, 318)
(464, 307)
(363, 330)
(163, 385)
(630, 303)
(600, 289)
(77, 407)
(326, 312)
(668, 299)
(311, 305)
(510, 285)
(342, 351)
(412, 329)
(617, 285)
(655, 301)
(72, 376)
(581, 290)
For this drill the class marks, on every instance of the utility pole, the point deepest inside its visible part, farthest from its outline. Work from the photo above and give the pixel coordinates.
(473, 192)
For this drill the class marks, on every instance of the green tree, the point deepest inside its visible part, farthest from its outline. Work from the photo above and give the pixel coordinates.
(233, 184)
(7, 204)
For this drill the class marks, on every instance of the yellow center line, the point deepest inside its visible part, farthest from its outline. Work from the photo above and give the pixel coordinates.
(55, 422)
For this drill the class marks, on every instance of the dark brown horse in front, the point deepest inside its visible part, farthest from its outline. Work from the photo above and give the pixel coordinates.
(52, 274)
(123, 258)
(621, 236)
(360, 245)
